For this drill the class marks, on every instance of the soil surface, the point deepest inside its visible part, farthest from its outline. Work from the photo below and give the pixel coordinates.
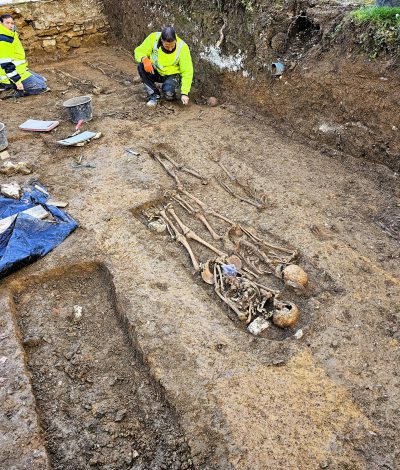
(158, 372)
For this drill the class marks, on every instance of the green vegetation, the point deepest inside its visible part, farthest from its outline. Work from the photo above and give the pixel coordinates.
(379, 29)
(385, 17)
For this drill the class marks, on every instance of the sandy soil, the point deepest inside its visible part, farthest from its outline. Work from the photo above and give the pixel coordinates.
(327, 400)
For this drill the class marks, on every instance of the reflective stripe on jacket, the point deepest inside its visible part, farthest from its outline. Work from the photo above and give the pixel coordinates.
(177, 62)
(13, 65)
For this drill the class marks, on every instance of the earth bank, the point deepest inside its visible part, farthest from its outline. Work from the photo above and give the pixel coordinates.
(331, 91)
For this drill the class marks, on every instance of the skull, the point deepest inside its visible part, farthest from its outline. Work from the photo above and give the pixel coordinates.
(285, 314)
(292, 274)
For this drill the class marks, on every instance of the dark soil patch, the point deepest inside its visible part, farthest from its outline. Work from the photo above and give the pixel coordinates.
(98, 406)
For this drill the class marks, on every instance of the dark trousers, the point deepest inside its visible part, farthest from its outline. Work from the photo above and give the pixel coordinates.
(171, 84)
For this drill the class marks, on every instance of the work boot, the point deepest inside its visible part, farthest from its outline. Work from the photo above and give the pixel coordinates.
(153, 101)
(9, 93)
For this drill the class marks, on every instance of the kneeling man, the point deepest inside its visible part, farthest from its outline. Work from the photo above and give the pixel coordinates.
(165, 58)
(14, 72)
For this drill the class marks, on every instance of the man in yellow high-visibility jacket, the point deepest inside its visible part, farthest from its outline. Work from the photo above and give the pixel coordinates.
(14, 73)
(165, 58)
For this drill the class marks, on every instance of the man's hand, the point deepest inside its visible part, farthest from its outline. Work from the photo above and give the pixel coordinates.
(19, 86)
(148, 66)
(185, 99)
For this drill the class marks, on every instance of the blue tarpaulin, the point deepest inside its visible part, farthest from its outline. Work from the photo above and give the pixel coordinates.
(29, 238)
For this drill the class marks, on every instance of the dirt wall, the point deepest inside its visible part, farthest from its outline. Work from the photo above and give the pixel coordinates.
(57, 27)
(331, 91)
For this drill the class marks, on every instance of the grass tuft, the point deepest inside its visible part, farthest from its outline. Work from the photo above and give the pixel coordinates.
(381, 16)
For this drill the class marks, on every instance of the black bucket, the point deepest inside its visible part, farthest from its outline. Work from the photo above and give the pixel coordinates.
(3, 137)
(79, 108)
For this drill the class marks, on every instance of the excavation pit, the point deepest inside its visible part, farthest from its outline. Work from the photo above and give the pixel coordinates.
(242, 401)
(97, 404)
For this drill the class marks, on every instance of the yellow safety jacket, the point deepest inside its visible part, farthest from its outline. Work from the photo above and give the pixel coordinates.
(13, 65)
(177, 62)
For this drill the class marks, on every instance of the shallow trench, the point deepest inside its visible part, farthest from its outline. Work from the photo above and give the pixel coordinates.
(97, 404)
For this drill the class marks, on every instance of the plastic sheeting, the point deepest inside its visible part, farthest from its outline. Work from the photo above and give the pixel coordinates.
(29, 238)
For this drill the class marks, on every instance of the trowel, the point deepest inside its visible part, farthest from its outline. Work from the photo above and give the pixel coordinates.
(77, 129)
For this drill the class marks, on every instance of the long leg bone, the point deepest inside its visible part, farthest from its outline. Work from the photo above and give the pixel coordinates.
(238, 196)
(206, 209)
(184, 205)
(180, 167)
(194, 173)
(192, 235)
(264, 243)
(171, 160)
(170, 172)
(228, 173)
(238, 235)
(205, 222)
(182, 239)
(245, 186)
(199, 215)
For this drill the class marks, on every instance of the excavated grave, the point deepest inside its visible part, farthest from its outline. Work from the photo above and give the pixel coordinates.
(97, 405)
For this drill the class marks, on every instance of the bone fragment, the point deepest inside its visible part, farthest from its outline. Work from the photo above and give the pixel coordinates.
(258, 325)
(12, 190)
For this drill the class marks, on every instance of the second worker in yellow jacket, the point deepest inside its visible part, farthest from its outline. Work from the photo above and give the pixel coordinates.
(165, 58)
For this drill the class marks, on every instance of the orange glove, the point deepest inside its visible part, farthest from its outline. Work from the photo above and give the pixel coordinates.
(148, 66)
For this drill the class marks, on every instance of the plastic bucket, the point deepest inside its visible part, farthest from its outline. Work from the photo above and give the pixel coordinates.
(3, 137)
(79, 108)
(277, 69)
